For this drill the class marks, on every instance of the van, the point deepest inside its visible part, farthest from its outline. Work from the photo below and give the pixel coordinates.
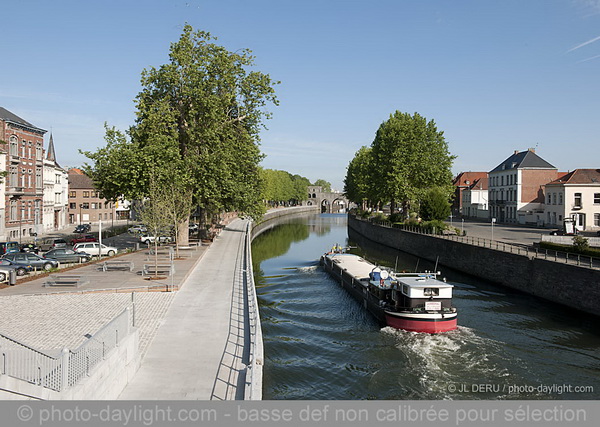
(8, 247)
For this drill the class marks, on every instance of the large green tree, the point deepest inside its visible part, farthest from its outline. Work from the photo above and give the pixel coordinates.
(325, 184)
(410, 156)
(198, 121)
(357, 183)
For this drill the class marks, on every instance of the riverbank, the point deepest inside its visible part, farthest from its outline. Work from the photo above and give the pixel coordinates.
(570, 285)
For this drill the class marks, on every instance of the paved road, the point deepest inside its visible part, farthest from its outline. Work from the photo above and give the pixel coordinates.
(503, 233)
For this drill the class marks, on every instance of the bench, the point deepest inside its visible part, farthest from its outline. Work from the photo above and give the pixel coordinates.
(65, 280)
(117, 265)
(155, 270)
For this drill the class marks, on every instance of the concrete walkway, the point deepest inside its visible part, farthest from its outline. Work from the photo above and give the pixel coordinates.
(196, 354)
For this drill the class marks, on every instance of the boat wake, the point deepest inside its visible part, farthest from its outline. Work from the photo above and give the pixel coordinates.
(454, 365)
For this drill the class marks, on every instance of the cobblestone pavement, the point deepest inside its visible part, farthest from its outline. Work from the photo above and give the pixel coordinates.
(50, 319)
(52, 322)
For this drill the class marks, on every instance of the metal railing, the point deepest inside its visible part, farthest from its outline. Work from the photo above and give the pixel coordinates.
(524, 250)
(254, 373)
(66, 369)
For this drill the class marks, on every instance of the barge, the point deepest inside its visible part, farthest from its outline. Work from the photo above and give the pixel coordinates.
(417, 302)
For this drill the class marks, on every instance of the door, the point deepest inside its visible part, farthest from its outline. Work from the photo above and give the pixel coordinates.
(580, 221)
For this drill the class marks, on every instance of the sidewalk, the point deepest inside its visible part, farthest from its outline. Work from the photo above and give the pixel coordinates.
(196, 354)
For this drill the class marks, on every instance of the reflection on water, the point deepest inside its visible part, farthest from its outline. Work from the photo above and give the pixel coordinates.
(321, 344)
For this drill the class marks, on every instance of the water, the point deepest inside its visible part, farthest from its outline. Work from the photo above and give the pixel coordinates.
(321, 344)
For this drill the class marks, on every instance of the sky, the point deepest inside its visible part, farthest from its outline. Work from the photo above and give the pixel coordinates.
(495, 76)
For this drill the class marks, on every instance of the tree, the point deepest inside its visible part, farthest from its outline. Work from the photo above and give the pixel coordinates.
(435, 205)
(357, 183)
(198, 117)
(326, 185)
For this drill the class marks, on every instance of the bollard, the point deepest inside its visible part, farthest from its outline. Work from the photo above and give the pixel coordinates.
(12, 277)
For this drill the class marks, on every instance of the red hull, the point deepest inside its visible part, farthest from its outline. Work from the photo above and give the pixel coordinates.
(427, 326)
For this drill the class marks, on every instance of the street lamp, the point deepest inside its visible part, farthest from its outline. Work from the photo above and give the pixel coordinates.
(80, 206)
(21, 224)
(493, 221)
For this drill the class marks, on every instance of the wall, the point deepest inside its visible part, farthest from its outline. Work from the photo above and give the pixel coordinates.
(575, 287)
(266, 223)
(106, 381)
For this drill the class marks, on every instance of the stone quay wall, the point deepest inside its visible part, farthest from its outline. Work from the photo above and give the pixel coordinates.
(573, 286)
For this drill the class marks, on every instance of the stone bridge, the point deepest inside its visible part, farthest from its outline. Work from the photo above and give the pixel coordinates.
(329, 202)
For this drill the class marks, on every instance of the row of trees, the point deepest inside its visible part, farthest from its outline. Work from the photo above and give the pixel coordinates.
(195, 136)
(283, 187)
(408, 165)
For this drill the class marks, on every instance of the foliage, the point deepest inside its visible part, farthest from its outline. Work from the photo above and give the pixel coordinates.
(580, 244)
(407, 157)
(281, 186)
(198, 119)
(325, 184)
(357, 183)
(435, 205)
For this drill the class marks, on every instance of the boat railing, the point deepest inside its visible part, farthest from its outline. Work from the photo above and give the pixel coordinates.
(499, 245)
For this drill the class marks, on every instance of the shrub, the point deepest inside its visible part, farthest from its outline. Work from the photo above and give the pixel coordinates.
(580, 244)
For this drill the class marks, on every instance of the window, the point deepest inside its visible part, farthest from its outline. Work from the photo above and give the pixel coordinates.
(553, 198)
(549, 202)
(431, 292)
(577, 200)
(85, 206)
(560, 196)
(597, 219)
(14, 146)
(597, 198)
(72, 205)
(72, 194)
(86, 194)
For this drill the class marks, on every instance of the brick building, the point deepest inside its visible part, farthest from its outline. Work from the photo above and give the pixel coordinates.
(85, 203)
(515, 188)
(23, 144)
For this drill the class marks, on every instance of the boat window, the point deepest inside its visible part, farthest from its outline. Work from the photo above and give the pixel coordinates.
(405, 289)
(431, 292)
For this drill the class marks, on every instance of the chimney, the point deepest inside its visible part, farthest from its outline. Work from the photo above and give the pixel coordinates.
(531, 149)
(516, 152)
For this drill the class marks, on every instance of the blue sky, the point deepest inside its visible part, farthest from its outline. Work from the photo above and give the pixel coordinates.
(496, 76)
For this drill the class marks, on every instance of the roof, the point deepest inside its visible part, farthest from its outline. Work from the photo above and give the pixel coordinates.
(523, 160)
(77, 180)
(579, 177)
(464, 179)
(480, 184)
(12, 117)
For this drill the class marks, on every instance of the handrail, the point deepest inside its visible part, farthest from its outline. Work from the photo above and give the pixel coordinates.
(546, 254)
(65, 370)
(254, 376)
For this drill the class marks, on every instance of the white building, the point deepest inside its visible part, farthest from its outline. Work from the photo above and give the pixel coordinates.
(2, 198)
(475, 200)
(575, 195)
(56, 193)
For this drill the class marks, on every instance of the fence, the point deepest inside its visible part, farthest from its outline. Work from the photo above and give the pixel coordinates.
(531, 252)
(66, 369)
(254, 375)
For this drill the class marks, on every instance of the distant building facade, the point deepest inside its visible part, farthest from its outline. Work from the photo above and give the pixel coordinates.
(462, 182)
(515, 188)
(55, 192)
(475, 199)
(23, 144)
(574, 195)
(85, 203)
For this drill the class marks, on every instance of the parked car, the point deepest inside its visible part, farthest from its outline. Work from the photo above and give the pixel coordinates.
(93, 248)
(67, 255)
(30, 247)
(34, 260)
(147, 239)
(52, 243)
(20, 269)
(4, 272)
(7, 247)
(82, 239)
(83, 228)
(137, 229)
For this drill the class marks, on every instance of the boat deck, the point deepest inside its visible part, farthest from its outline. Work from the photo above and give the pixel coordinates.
(353, 264)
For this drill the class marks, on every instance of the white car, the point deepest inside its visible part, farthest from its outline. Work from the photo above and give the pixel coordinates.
(93, 248)
(137, 229)
(147, 239)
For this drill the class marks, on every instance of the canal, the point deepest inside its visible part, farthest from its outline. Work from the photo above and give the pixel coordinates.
(321, 344)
